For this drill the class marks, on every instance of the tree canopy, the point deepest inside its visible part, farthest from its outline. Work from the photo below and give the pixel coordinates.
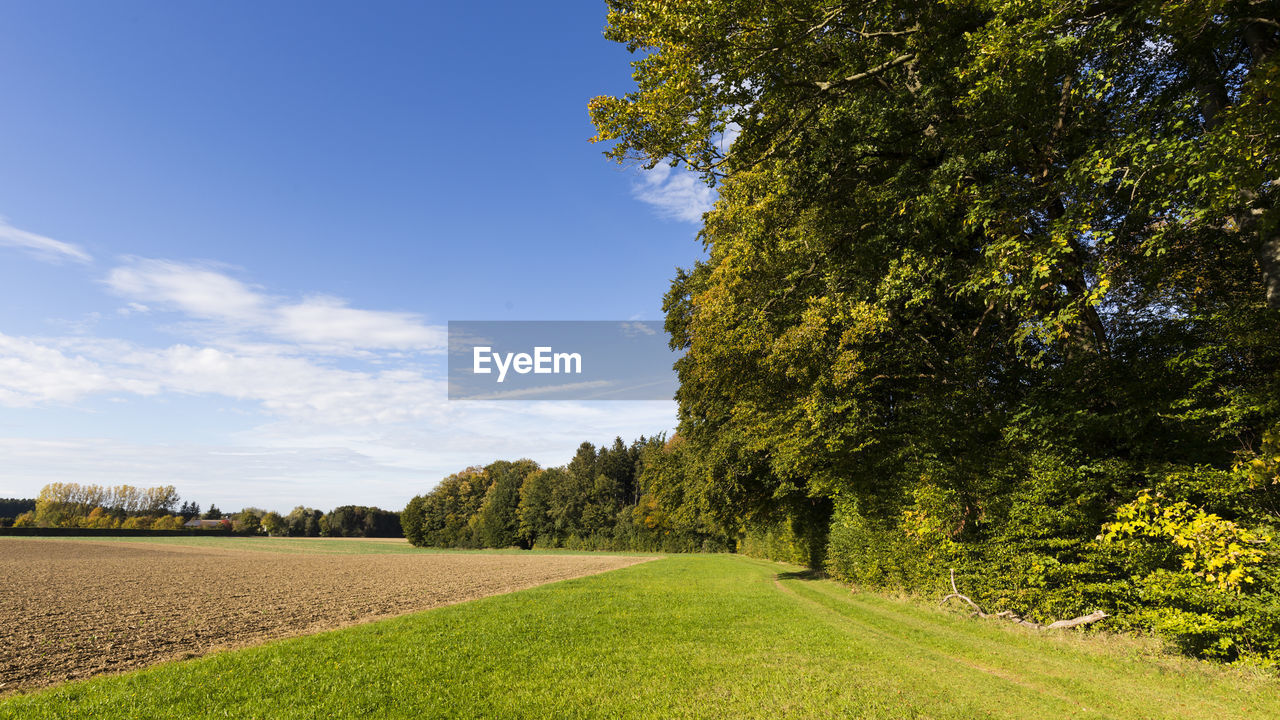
(979, 274)
(615, 497)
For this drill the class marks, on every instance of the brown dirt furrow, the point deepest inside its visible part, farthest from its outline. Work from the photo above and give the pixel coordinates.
(75, 609)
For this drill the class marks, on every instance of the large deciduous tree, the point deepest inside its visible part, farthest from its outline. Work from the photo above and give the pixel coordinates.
(979, 271)
(498, 519)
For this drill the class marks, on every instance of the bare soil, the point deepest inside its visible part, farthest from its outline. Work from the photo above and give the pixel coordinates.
(75, 609)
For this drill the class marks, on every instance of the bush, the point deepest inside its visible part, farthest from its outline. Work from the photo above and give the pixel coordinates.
(774, 541)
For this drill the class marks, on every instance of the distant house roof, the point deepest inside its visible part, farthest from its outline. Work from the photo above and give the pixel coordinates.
(198, 523)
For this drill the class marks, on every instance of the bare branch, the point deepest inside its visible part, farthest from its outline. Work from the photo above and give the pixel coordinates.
(1092, 617)
(1260, 21)
(825, 86)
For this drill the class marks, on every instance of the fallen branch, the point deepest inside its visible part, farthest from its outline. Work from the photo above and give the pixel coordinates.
(1010, 615)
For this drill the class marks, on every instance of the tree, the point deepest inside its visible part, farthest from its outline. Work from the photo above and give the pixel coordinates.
(13, 507)
(449, 511)
(304, 522)
(137, 522)
(571, 493)
(99, 517)
(411, 519)
(168, 522)
(361, 521)
(274, 525)
(979, 274)
(580, 505)
(70, 504)
(248, 521)
(618, 463)
(673, 496)
(382, 523)
(162, 499)
(498, 521)
(343, 521)
(534, 510)
(212, 514)
(931, 209)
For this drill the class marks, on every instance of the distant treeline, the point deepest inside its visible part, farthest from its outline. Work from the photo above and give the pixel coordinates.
(11, 508)
(343, 521)
(72, 505)
(621, 497)
(124, 507)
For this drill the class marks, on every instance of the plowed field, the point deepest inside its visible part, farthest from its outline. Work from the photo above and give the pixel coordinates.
(71, 609)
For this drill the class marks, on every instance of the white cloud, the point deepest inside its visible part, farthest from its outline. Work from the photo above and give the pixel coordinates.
(676, 193)
(343, 408)
(320, 322)
(636, 329)
(32, 374)
(274, 478)
(285, 464)
(299, 392)
(198, 291)
(65, 370)
(39, 246)
(333, 436)
(323, 320)
(729, 137)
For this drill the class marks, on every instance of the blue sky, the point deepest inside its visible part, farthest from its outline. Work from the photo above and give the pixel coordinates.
(233, 232)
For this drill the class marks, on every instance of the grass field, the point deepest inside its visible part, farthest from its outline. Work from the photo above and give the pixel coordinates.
(702, 636)
(75, 610)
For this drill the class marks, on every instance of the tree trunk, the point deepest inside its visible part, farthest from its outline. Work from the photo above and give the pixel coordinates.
(1269, 258)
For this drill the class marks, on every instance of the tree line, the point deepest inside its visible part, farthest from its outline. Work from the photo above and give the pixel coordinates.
(342, 521)
(65, 505)
(11, 508)
(615, 497)
(125, 507)
(990, 286)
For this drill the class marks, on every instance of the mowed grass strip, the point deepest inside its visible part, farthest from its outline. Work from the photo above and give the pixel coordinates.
(681, 637)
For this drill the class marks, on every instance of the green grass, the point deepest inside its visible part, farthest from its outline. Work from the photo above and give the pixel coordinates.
(704, 636)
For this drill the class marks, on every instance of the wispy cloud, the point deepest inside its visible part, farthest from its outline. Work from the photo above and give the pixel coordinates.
(38, 371)
(636, 329)
(676, 193)
(202, 292)
(321, 319)
(341, 404)
(41, 247)
(321, 322)
(282, 464)
(319, 429)
(34, 373)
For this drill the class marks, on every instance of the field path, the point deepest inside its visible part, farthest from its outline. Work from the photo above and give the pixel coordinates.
(77, 608)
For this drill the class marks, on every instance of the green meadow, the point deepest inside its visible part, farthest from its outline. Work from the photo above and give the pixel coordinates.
(683, 636)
